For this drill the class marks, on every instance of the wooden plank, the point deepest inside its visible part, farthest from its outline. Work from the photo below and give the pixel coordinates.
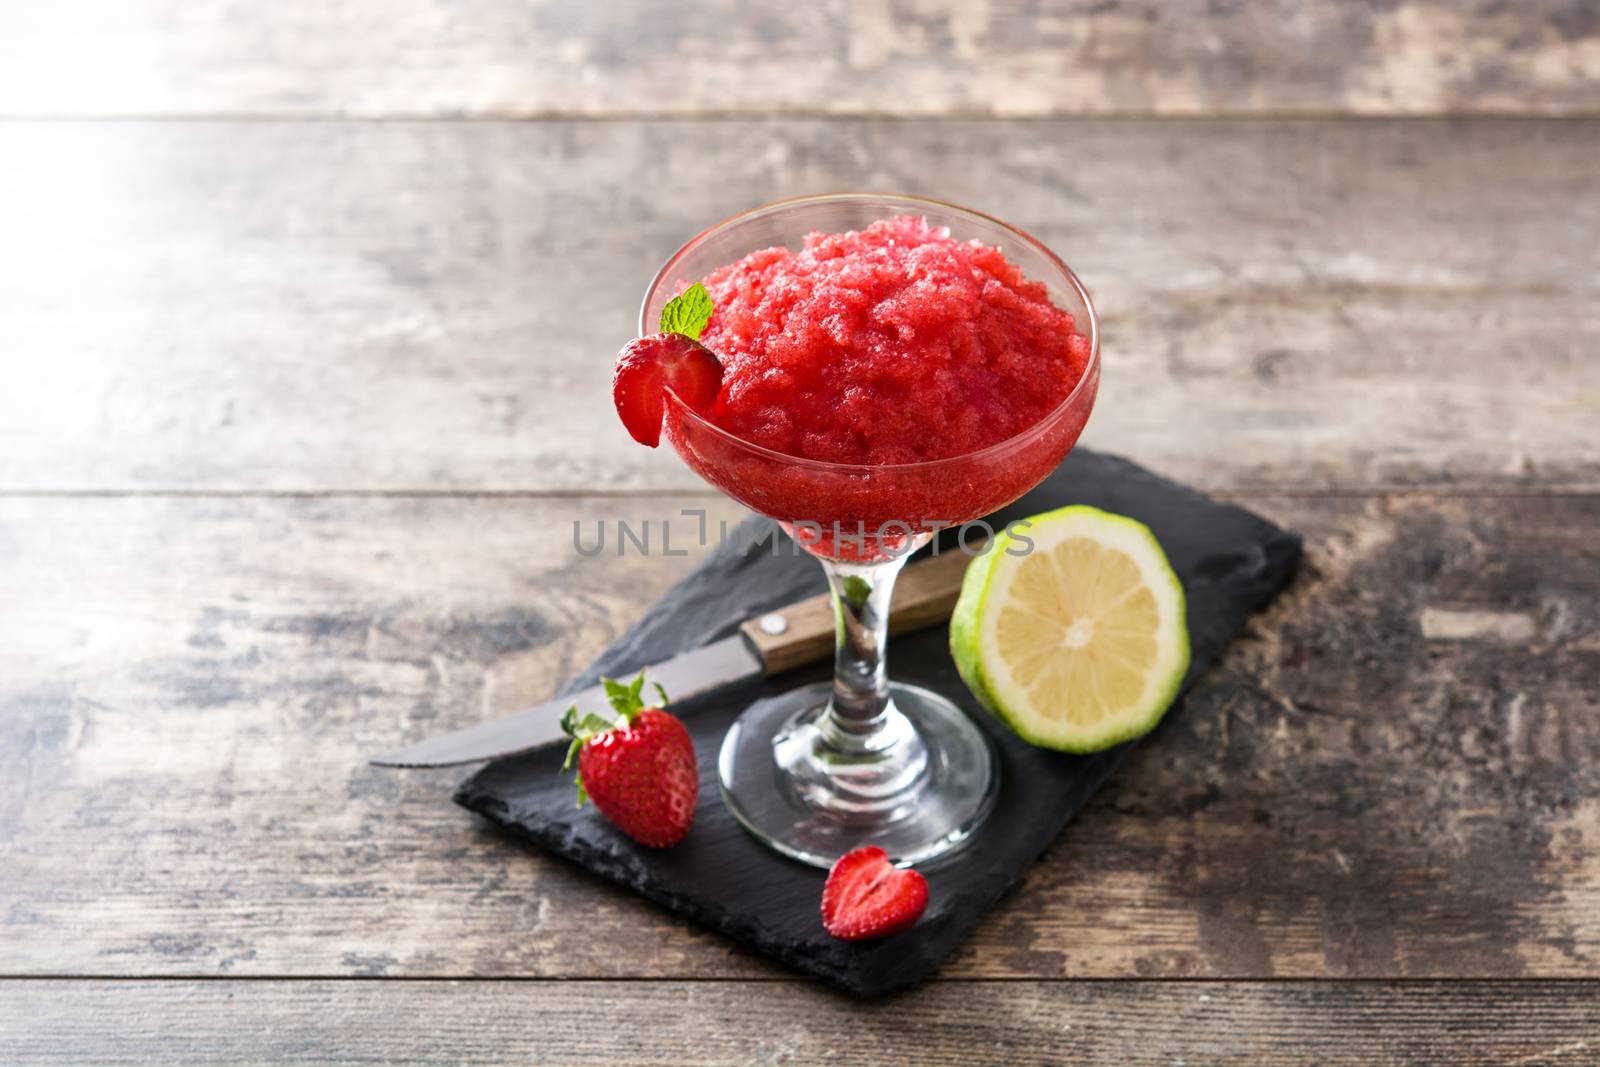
(192, 688)
(1395, 773)
(1348, 794)
(992, 57)
(423, 306)
(92, 1023)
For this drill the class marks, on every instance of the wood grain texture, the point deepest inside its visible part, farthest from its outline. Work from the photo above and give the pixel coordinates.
(423, 306)
(173, 1024)
(1349, 794)
(902, 57)
(1396, 773)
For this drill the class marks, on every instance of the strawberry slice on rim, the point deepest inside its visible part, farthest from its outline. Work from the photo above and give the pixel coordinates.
(866, 896)
(647, 367)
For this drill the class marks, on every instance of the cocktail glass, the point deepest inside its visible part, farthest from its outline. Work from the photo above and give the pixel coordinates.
(823, 769)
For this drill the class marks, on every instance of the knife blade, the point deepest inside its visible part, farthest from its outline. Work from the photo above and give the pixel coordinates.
(770, 644)
(713, 666)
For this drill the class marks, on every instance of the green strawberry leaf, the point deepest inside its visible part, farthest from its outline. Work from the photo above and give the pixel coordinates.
(620, 696)
(628, 700)
(688, 312)
(580, 730)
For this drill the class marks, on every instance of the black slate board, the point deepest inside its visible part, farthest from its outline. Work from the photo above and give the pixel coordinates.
(1231, 563)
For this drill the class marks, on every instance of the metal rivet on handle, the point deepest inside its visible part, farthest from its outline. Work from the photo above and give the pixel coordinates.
(773, 624)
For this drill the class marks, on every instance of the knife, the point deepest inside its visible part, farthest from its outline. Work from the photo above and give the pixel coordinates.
(770, 644)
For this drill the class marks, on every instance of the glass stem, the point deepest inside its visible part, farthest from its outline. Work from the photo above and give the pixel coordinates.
(860, 705)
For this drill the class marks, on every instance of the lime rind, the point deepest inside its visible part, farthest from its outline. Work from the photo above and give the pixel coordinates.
(973, 645)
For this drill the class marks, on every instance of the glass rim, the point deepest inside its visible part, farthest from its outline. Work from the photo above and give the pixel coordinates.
(1091, 369)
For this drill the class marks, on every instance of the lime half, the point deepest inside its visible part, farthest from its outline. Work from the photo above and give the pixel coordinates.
(1079, 641)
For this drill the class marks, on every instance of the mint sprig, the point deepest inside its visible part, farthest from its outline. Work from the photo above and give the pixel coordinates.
(688, 312)
(627, 700)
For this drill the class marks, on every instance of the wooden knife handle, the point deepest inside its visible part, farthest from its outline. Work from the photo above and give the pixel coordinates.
(803, 633)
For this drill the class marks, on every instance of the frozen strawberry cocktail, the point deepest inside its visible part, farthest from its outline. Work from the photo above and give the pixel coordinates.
(865, 368)
(878, 382)
(896, 344)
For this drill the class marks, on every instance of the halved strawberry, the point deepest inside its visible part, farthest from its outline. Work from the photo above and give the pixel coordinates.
(649, 365)
(866, 896)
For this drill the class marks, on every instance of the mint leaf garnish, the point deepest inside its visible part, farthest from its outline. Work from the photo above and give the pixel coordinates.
(688, 312)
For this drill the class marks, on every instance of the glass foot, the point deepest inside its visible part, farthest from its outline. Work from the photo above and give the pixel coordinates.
(919, 788)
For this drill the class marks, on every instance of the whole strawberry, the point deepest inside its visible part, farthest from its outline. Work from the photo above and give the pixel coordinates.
(639, 770)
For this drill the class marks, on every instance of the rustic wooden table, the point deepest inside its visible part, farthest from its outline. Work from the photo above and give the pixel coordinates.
(306, 320)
